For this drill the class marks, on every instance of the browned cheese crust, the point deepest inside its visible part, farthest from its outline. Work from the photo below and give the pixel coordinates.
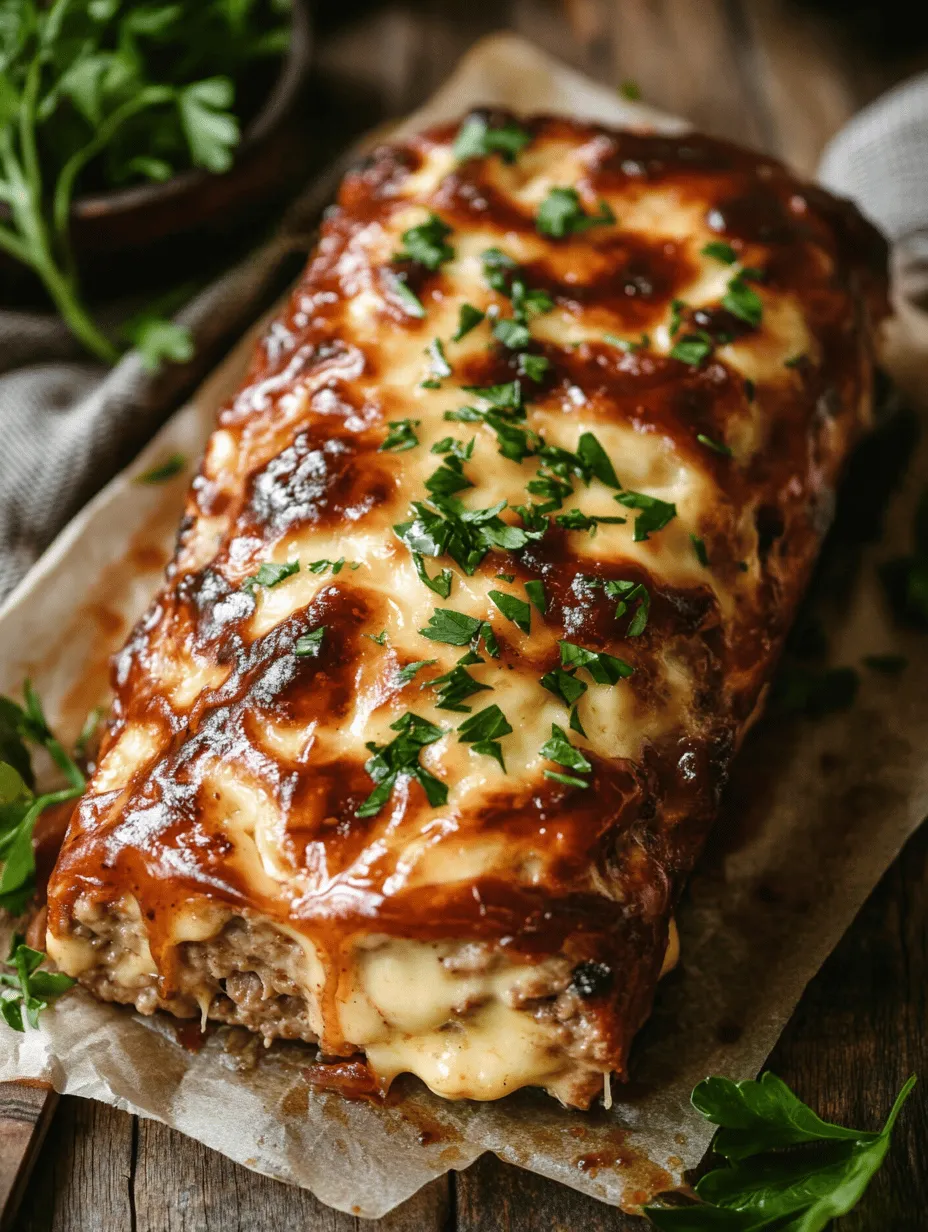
(512, 931)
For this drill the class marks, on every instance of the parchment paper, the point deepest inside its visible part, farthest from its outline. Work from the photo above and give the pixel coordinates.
(817, 811)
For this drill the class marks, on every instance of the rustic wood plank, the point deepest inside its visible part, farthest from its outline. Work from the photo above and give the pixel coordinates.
(210, 1193)
(82, 1181)
(26, 1110)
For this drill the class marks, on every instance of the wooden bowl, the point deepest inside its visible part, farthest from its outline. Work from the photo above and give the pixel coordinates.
(155, 235)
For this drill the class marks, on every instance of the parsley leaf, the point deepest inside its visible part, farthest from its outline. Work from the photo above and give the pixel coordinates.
(408, 673)
(270, 574)
(320, 566)
(20, 808)
(565, 686)
(596, 461)
(699, 548)
(452, 628)
(477, 139)
(484, 730)
(720, 251)
(562, 213)
(497, 265)
(438, 363)
(469, 318)
(715, 446)
(786, 1166)
(559, 750)
(412, 304)
(31, 989)
(401, 436)
(512, 334)
(426, 244)
(172, 465)
(441, 583)
(603, 668)
(310, 643)
(514, 609)
(158, 339)
(692, 349)
(575, 519)
(454, 686)
(627, 593)
(743, 301)
(534, 366)
(536, 593)
(400, 759)
(655, 513)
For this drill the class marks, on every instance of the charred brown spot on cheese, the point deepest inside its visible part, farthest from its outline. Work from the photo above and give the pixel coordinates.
(218, 864)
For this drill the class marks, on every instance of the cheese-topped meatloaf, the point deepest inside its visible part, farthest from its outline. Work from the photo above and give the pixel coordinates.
(484, 572)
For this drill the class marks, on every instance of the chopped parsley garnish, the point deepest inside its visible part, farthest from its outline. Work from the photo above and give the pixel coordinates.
(454, 686)
(440, 584)
(786, 1167)
(559, 750)
(715, 446)
(171, 466)
(699, 548)
(409, 672)
(484, 730)
(654, 515)
(469, 318)
(888, 664)
(477, 139)
(566, 687)
(628, 344)
(533, 366)
(603, 668)
(320, 566)
(528, 303)
(505, 577)
(412, 305)
(743, 301)
(630, 90)
(400, 759)
(628, 593)
(466, 535)
(380, 638)
(309, 645)
(20, 808)
(438, 364)
(692, 349)
(677, 307)
(449, 478)
(575, 519)
(512, 334)
(720, 251)
(457, 629)
(496, 266)
(426, 244)
(464, 450)
(29, 988)
(507, 396)
(514, 609)
(536, 593)
(270, 574)
(595, 460)
(575, 724)
(401, 436)
(562, 213)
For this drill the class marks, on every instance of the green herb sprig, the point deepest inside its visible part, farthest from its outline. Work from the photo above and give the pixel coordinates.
(786, 1169)
(26, 987)
(20, 807)
(110, 93)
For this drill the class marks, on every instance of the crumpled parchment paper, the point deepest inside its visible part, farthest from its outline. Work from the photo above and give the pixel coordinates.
(815, 814)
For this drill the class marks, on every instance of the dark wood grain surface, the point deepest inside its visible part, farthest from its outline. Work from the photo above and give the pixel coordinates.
(781, 76)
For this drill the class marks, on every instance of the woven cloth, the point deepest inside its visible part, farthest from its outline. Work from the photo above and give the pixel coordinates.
(68, 425)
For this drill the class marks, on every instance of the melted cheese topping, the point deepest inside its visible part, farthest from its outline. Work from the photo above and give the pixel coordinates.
(238, 765)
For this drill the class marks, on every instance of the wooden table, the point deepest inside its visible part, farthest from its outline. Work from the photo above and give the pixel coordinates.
(775, 75)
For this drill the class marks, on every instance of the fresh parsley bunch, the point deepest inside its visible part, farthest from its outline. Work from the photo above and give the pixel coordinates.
(32, 989)
(788, 1170)
(20, 807)
(108, 92)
